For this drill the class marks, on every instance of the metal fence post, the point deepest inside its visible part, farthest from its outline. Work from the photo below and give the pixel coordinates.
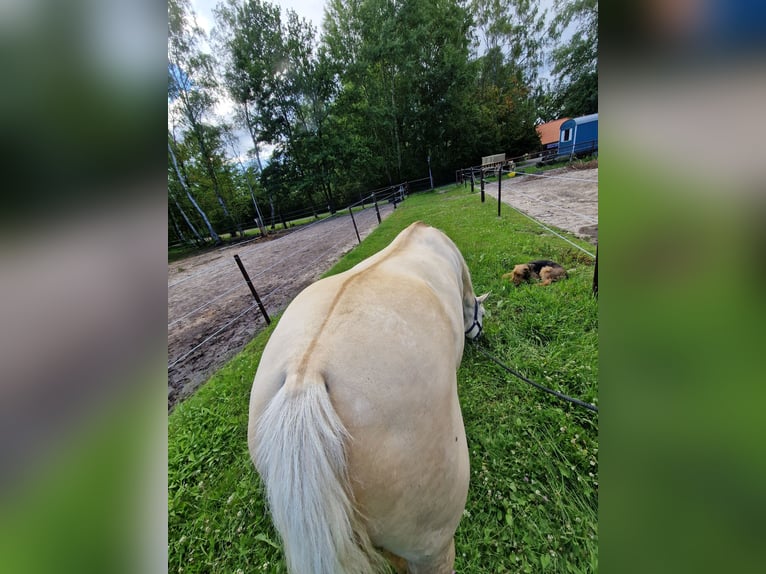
(499, 185)
(377, 211)
(351, 213)
(595, 275)
(482, 185)
(252, 290)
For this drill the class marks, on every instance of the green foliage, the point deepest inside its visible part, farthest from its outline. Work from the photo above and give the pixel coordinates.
(514, 29)
(390, 90)
(404, 91)
(533, 499)
(575, 63)
(192, 93)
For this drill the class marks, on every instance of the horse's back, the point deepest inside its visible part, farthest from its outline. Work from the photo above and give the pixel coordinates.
(384, 339)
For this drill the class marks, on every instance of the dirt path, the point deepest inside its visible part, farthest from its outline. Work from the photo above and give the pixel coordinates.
(208, 299)
(566, 198)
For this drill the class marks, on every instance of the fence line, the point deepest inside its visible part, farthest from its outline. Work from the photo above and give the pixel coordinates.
(521, 172)
(300, 228)
(240, 315)
(481, 171)
(193, 311)
(260, 273)
(582, 215)
(218, 332)
(405, 184)
(541, 224)
(374, 198)
(224, 262)
(556, 177)
(331, 248)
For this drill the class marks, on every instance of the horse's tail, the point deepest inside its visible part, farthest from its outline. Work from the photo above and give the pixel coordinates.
(301, 457)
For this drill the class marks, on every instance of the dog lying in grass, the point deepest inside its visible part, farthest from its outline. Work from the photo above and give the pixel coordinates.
(543, 269)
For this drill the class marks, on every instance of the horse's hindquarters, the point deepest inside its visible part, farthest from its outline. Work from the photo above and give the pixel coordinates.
(408, 459)
(383, 341)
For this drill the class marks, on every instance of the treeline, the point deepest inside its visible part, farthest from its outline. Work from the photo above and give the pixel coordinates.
(387, 91)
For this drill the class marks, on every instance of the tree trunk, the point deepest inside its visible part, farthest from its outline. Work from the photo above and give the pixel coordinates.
(258, 215)
(200, 242)
(273, 210)
(396, 130)
(251, 130)
(213, 234)
(179, 234)
(214, 178)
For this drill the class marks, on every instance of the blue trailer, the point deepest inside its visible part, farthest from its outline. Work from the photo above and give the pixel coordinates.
(579, 136)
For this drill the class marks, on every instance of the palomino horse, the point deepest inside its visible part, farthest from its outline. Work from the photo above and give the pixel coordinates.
(355, 425)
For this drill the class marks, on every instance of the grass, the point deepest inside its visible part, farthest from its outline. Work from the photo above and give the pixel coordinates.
(532, 503)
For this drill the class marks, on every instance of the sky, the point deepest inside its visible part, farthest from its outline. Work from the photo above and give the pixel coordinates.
(310, 9)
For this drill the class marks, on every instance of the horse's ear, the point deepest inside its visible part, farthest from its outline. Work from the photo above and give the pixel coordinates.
(481, 298)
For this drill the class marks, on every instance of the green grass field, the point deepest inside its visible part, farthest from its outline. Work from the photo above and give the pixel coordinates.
(533, 500)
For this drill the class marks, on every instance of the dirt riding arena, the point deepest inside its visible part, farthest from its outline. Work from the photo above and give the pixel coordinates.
(565, 198)
(210, 318)
(207, 292)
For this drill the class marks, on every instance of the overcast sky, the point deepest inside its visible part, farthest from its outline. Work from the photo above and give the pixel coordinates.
(310, 9)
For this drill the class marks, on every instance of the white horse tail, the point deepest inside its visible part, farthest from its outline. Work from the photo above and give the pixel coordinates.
(301, 457)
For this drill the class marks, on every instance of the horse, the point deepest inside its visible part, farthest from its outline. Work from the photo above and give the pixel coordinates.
(355, 425)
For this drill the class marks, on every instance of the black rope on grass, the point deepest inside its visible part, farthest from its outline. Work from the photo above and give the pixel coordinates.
(578, 402)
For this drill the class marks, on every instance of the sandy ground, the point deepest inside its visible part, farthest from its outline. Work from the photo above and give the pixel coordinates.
(208, 299)
(566, 198)
(207, 292)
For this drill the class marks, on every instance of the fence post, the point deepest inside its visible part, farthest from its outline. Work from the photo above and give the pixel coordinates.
(252, 290)
(499, 185)
(595, 275)
(377, 211)
(482, 185)
(472, 181)
(351, 213)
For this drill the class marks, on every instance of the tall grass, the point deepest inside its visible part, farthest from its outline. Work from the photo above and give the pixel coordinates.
(532, 503)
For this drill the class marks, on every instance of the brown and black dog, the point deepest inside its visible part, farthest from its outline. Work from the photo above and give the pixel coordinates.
(547, 271)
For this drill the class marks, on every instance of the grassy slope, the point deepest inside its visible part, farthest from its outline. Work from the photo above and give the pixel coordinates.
(532, 503)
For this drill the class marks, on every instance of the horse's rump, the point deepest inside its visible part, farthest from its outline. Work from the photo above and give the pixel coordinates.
(355, 423)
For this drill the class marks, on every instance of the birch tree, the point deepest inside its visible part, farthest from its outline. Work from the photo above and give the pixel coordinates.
(192, 89)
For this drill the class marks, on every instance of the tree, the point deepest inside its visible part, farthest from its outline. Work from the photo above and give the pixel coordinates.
(392, 88)
(187, 191)
(191, 90)
(282, 84)
(249, 39)
(246, 176)
(511, 35)
(509, 42)
(575, 62)
(404, 74)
